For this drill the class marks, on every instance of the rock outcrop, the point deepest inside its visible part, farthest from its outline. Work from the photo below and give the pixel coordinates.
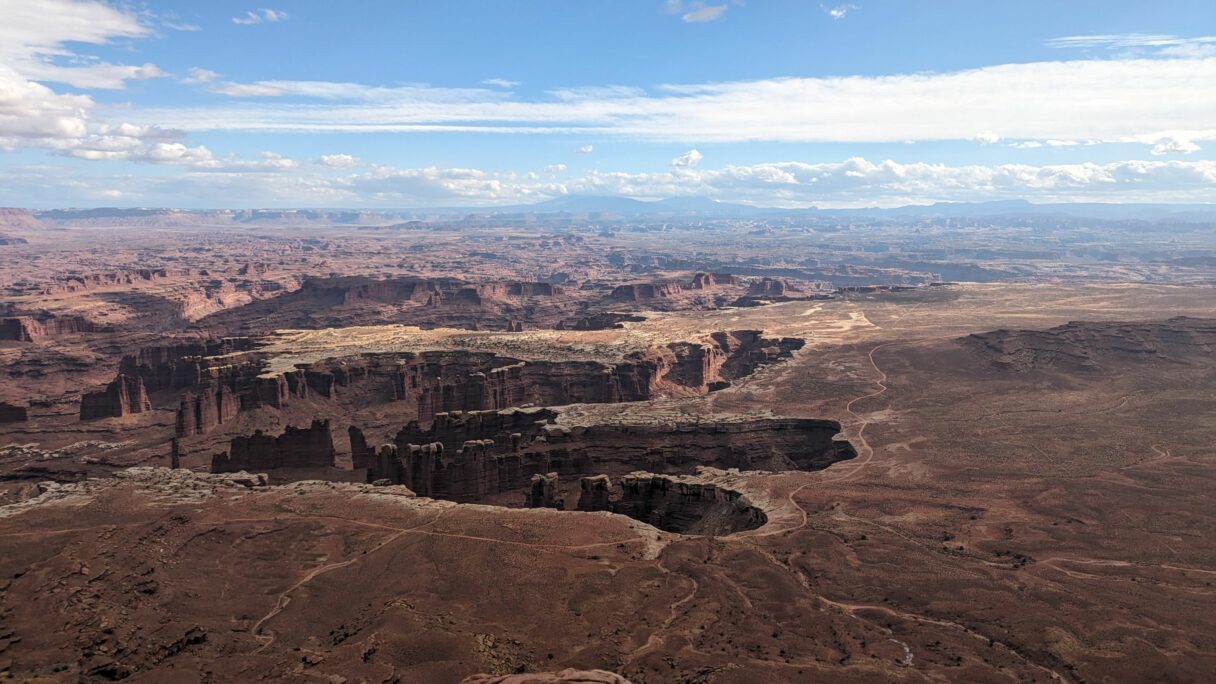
(643, 291)
(310, 447)
(595, 493)
(769, 287)
(361, 455)
(602, 321)
(543, 492)
(475, 455)
(568, 676)
(701, 281)
(688, 507)
(1096, 347)
(32, 329)
(124, 396)
(11, 413)
(430, 383)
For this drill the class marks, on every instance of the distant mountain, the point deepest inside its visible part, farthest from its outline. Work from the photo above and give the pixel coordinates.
(703, 206)
(616, 206)
(612, 204)
(1150, 212)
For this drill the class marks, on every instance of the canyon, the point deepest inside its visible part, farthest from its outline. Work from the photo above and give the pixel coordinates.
(289, 445)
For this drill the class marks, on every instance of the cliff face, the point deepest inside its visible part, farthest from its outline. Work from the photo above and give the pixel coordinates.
(470, 456)
(769, 287)
(186, 364)
(310, 447)
(643, 291)
(701, 281)
(124, 396)
(31, 329)
(686, 507)
(430, 383)
(1093, 347)
(10, 413)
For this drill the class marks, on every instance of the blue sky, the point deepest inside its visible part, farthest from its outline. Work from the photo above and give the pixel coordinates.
(771, 102)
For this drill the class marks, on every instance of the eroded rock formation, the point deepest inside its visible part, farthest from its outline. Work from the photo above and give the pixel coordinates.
(310, 447)
(542, 493)
(475, 455)
(678, 505)
(1087, 347)
(124, 396)
(429, 383)
(32, 329)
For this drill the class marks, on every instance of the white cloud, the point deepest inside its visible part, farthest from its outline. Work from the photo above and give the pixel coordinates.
(986, 138)
(261, 15)
(272, 180)
(585, 149)
(33, 36)
(200, 75)
(838, 12)
(1161, 44)
(500, 83)
(698, 12)
(1174, 145)
(555, 168)
(338, 161)
(687, 160)
(1113, 100)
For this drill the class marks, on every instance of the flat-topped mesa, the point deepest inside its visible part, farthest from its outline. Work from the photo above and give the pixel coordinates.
(1096, 347)
(769, 287)
(601, 321)
(189, 363)
(12, 413)
(123, 396)
(310, 447)
(433, 382)
(701, 281)
(642, 291)
(34, 329)
(93, 281)
(476, 455)
(430, 292)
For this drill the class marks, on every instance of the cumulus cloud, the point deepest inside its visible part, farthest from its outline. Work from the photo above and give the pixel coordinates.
(338, 161)
(1174, 145)
(852, 182)
(585, 149)
(500, 83)
(33, 39)
(838, 12)
(555, 168)
(259, 16)
(987, 138)
(687, 160)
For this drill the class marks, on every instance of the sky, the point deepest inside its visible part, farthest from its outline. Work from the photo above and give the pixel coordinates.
(429, 103)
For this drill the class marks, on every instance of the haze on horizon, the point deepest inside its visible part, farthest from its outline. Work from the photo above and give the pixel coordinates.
(461, 103)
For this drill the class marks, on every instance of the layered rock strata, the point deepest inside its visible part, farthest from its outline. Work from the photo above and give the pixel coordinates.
(310, 447)
(124, 396)
(478, 455)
